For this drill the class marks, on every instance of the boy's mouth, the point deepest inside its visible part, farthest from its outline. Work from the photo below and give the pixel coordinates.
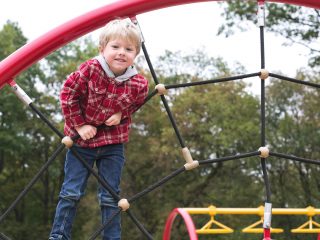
(120, 60)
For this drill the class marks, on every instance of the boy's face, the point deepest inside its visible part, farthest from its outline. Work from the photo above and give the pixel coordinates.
(119, 54)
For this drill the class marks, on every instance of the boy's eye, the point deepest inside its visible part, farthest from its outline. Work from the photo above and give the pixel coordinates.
(129, 49)
(114, 46)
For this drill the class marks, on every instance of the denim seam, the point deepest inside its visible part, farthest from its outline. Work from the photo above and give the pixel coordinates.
(64, 222)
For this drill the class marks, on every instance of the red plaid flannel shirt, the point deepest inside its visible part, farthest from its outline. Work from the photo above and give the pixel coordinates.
(89, 96)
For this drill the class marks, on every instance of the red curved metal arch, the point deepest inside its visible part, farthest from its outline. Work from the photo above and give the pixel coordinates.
(187, 219)
(71, 30)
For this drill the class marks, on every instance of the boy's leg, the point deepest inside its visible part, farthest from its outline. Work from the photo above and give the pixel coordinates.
(110, 165)
(72, 190)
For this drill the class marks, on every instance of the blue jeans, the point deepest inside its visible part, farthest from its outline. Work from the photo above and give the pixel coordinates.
(109, 161)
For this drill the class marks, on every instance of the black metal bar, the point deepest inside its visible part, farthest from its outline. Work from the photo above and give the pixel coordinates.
(32, 182)
(157, 184)
(294, 80)
(263, 99)
(4, 237)
(173, 122)
(294, 158)
(225, 79)
(263, 118)
(151, 95)
(139, 225)
(104, 225)
(266, 180)
(37, 111)
(146, 55)
(223, 159)
(154, 76)
(135, 220)
(262, 52)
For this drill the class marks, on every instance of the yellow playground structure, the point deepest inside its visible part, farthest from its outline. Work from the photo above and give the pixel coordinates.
(215, 227)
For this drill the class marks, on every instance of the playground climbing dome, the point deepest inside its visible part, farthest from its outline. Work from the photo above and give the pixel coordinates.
(24, 57)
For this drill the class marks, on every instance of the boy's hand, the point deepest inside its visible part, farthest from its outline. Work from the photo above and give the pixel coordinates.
(114, 119)
(86, 131)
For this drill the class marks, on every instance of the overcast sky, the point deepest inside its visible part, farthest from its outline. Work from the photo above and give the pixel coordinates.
(185, 27)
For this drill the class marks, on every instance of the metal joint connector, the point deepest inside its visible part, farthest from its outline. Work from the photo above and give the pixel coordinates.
(261, 14)
(267, 215)
(135, 22)
(21, 94)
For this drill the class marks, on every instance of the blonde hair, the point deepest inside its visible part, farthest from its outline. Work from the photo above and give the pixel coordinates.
(123, 29)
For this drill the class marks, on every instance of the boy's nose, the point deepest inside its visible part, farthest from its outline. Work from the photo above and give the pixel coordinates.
(121, 51)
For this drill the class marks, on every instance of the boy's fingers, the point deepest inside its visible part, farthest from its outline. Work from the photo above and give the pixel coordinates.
(90, 133)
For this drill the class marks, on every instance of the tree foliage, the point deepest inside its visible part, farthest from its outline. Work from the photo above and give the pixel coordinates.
(27, 143)
(214, 121)
(299, 25)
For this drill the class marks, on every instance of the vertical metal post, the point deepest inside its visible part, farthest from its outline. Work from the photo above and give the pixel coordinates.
(268, 205)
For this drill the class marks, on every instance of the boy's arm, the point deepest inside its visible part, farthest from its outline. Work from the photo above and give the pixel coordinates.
(73, 88)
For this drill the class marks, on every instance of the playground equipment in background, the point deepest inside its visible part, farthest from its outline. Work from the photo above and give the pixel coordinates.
(215, 227)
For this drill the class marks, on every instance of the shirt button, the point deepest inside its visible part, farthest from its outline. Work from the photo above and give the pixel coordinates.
(96, 89)
(103, 111)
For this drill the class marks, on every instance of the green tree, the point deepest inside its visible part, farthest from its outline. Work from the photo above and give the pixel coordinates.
(299, 25)
(293, 123)
(215, 121)
(27, 143)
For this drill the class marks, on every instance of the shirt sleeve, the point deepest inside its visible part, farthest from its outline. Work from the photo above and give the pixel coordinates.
(73, 89)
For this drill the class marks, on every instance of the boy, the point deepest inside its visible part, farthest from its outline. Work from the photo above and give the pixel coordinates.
(104, 90)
